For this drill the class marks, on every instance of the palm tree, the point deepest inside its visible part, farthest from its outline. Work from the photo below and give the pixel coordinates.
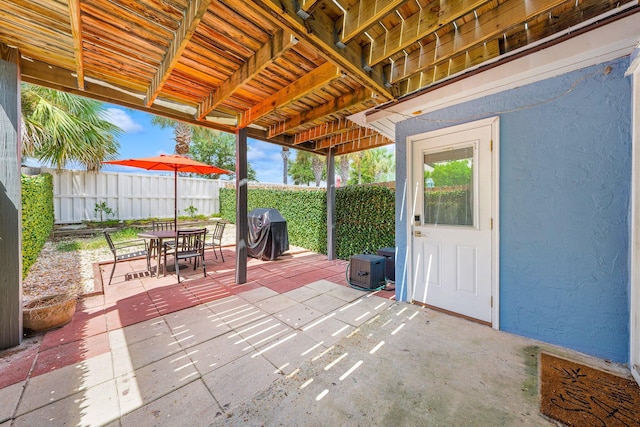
(183, 132)
(59, 128)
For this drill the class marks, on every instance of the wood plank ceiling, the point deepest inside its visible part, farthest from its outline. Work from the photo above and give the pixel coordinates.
(291, 72)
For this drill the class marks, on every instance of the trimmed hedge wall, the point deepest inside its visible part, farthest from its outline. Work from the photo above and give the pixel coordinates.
(305, 212)
(364, 216)
(37, 216)
(365, 220)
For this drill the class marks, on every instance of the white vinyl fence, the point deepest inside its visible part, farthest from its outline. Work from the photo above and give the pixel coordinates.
(129, 195)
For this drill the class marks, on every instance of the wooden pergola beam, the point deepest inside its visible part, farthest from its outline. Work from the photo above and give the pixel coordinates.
(279, 43)
(319, 31)
(61, 79)
(192, 18)
(418, 26)
(364, 14)
(345, 138)
(324, 130)
(490, 25)
(447, 67)
(372, 141)
(335, 106)
(76, 33)
(309, 83)
(305, 8)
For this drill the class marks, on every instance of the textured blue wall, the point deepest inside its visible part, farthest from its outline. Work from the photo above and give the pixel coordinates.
(565, 176)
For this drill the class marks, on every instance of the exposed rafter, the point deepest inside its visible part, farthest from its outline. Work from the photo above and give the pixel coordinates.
(364, 14)
(324, 130)
(373, 141)
(307, 84)
(190, 22)
(335, 106)
(446, 67)
(345, 138)
(473, 34)
(319, 30)
(418, 26)
(42, 74)
(305, 8)
(74, 16)
(269, 52)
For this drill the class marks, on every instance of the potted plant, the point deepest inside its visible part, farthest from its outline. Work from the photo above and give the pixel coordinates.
(48, 312)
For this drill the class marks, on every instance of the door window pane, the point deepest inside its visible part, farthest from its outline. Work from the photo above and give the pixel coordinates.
(448, 187)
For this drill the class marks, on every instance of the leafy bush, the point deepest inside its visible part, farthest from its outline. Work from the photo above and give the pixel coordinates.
(364, 216)
(305, 212)
(452, 207)
(365, 220)
(37, 216)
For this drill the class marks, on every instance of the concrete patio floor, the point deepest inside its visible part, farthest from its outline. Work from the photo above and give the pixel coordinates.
(293, 346)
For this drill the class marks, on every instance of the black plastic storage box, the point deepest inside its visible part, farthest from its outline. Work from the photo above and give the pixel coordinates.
(367, 271)
(390, 263)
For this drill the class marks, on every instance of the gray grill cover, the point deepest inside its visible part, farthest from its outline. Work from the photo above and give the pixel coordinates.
(268, 237)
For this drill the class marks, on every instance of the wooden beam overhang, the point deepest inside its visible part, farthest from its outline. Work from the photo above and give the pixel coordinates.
(279, 43)
(76, 32)
(324, 130)
(190, 22)
(445, 67)
(41, 74)
(350, 136)
(373, 141)
(364, 14)
(479, 41)
(418, 26)
(335, 106)
(305, 8)
(300, 88)
(319, 30)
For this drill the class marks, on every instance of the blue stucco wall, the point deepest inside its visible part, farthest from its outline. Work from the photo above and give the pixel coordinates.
(565, 176)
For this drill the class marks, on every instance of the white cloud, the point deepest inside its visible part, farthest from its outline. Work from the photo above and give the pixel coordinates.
(123, 120)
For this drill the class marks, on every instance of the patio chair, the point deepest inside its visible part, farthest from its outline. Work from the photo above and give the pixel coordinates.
(189, 245)
(216, 238)
(157, 226)
(127, 250)
(162, 225)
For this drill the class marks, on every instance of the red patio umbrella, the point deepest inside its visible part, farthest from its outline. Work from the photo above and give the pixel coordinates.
(175, 163)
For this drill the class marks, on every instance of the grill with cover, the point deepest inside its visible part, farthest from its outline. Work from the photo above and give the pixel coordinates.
(268, 237)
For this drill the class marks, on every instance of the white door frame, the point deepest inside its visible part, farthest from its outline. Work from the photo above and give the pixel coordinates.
(634, 249)
(494, 122)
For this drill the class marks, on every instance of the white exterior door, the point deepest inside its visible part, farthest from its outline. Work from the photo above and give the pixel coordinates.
(454, 213)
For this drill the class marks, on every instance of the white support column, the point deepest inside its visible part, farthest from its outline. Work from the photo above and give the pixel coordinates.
(634, 257)
(10, 200)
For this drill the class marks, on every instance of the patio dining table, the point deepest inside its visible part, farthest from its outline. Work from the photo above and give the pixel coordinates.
(156, 238)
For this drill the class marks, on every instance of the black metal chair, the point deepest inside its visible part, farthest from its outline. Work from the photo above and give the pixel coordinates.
(216, 238)
(127, 250)
(189, 245)
(158, 226)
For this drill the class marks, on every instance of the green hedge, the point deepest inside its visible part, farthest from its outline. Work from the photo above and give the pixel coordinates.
(37, 216)
(365, 220)
(364, 216)
(305, 212)
(449, 207)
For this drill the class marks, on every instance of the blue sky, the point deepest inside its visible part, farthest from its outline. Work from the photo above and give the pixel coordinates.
(142, 139)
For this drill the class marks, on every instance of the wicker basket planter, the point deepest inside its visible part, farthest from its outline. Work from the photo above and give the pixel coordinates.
(48, 312)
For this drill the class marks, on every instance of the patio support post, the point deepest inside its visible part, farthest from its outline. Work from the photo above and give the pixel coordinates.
(242, 222)
(331, 205)
(10, 200)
